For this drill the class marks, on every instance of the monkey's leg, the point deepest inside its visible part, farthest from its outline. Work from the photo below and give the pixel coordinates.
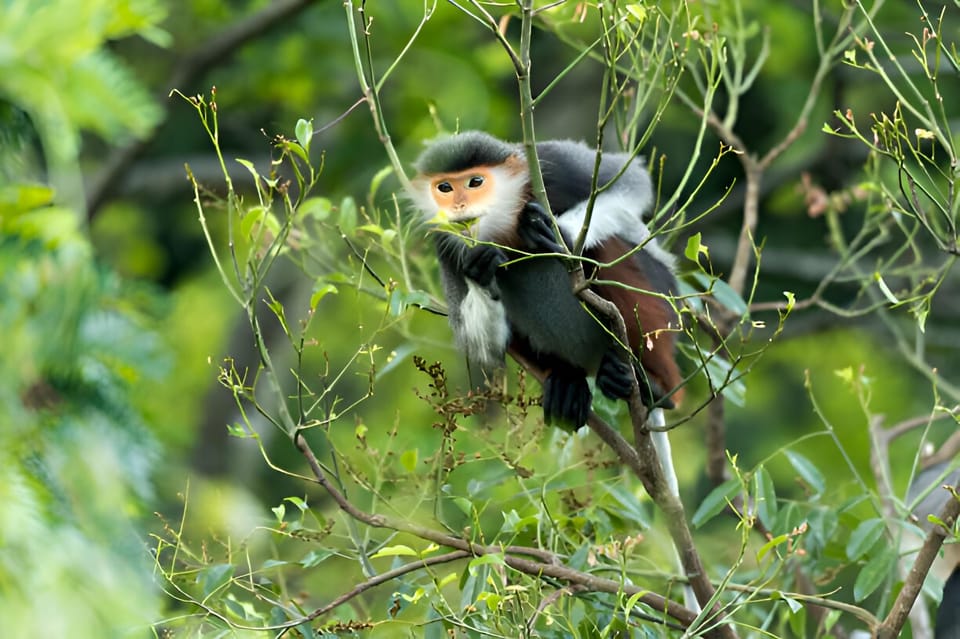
(566, 398)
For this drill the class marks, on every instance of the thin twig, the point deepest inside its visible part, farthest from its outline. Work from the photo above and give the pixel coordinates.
(216, 50)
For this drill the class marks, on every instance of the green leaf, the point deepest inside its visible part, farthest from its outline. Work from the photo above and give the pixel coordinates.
(718, 370)
(716, 501)
(378, 179)
(395, 551)
(885, 289)
(765, 495)
(400, 300)
(409, 459)
(348, 216)
(251, 220)
(791, 300)
(213, 578)
(627, 506)
(394, 359)
(513, 523)
(492, 600)
(237, 430)
(807, 471)
(465, 505)
(298, 502)
(695, 248)
(873, 574)
(864, 537)
(279, 512)
(319, 292)
(637, 12)
(318, 208)
(21, 198)
(798, 616)
(729, 298)
(304, 131)
(770, 545)
(486, 560)
(315, 558)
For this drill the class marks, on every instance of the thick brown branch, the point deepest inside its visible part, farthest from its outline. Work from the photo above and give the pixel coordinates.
(893, 623)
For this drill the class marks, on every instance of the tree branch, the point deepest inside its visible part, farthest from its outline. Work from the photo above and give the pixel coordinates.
(893, 623)
(547, 566)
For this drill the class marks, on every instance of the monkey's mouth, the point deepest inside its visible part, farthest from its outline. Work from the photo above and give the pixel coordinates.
(444, 217)
(466, 226)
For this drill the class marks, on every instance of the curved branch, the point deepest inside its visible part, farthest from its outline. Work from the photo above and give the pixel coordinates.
(545, 564)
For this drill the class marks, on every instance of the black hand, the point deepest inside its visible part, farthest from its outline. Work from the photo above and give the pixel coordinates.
(566, 399)
(481, 262)
(615, 376)
(536, 230)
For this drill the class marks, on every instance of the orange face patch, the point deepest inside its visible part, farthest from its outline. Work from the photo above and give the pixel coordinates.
(461, 192)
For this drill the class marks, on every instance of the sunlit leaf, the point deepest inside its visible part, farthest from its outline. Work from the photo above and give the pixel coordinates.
(395, 551)
(304, 133)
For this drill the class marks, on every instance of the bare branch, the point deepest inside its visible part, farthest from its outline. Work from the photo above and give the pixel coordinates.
(893, 623)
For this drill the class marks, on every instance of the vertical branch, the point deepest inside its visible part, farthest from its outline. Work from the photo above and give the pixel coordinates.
(893, 623)
(363, 61)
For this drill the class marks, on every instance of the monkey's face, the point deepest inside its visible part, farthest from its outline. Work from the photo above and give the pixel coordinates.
(489, 195)
(465, 195)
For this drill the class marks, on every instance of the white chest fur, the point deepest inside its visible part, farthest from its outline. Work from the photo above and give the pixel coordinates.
(484, 329)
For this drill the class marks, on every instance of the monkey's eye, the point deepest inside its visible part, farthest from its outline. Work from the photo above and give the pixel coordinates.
(445, 187)
(475, 182)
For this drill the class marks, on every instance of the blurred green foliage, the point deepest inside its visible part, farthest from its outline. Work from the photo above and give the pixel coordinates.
(115, 332)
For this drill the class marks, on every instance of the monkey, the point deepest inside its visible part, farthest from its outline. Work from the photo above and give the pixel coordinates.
(500, 296)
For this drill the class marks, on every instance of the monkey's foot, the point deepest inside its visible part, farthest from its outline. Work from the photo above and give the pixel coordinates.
(481, 263)
(615, 376)
(566, 399)
(536, 230)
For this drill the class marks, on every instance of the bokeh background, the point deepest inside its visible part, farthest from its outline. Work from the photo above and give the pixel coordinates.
(114, 321)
